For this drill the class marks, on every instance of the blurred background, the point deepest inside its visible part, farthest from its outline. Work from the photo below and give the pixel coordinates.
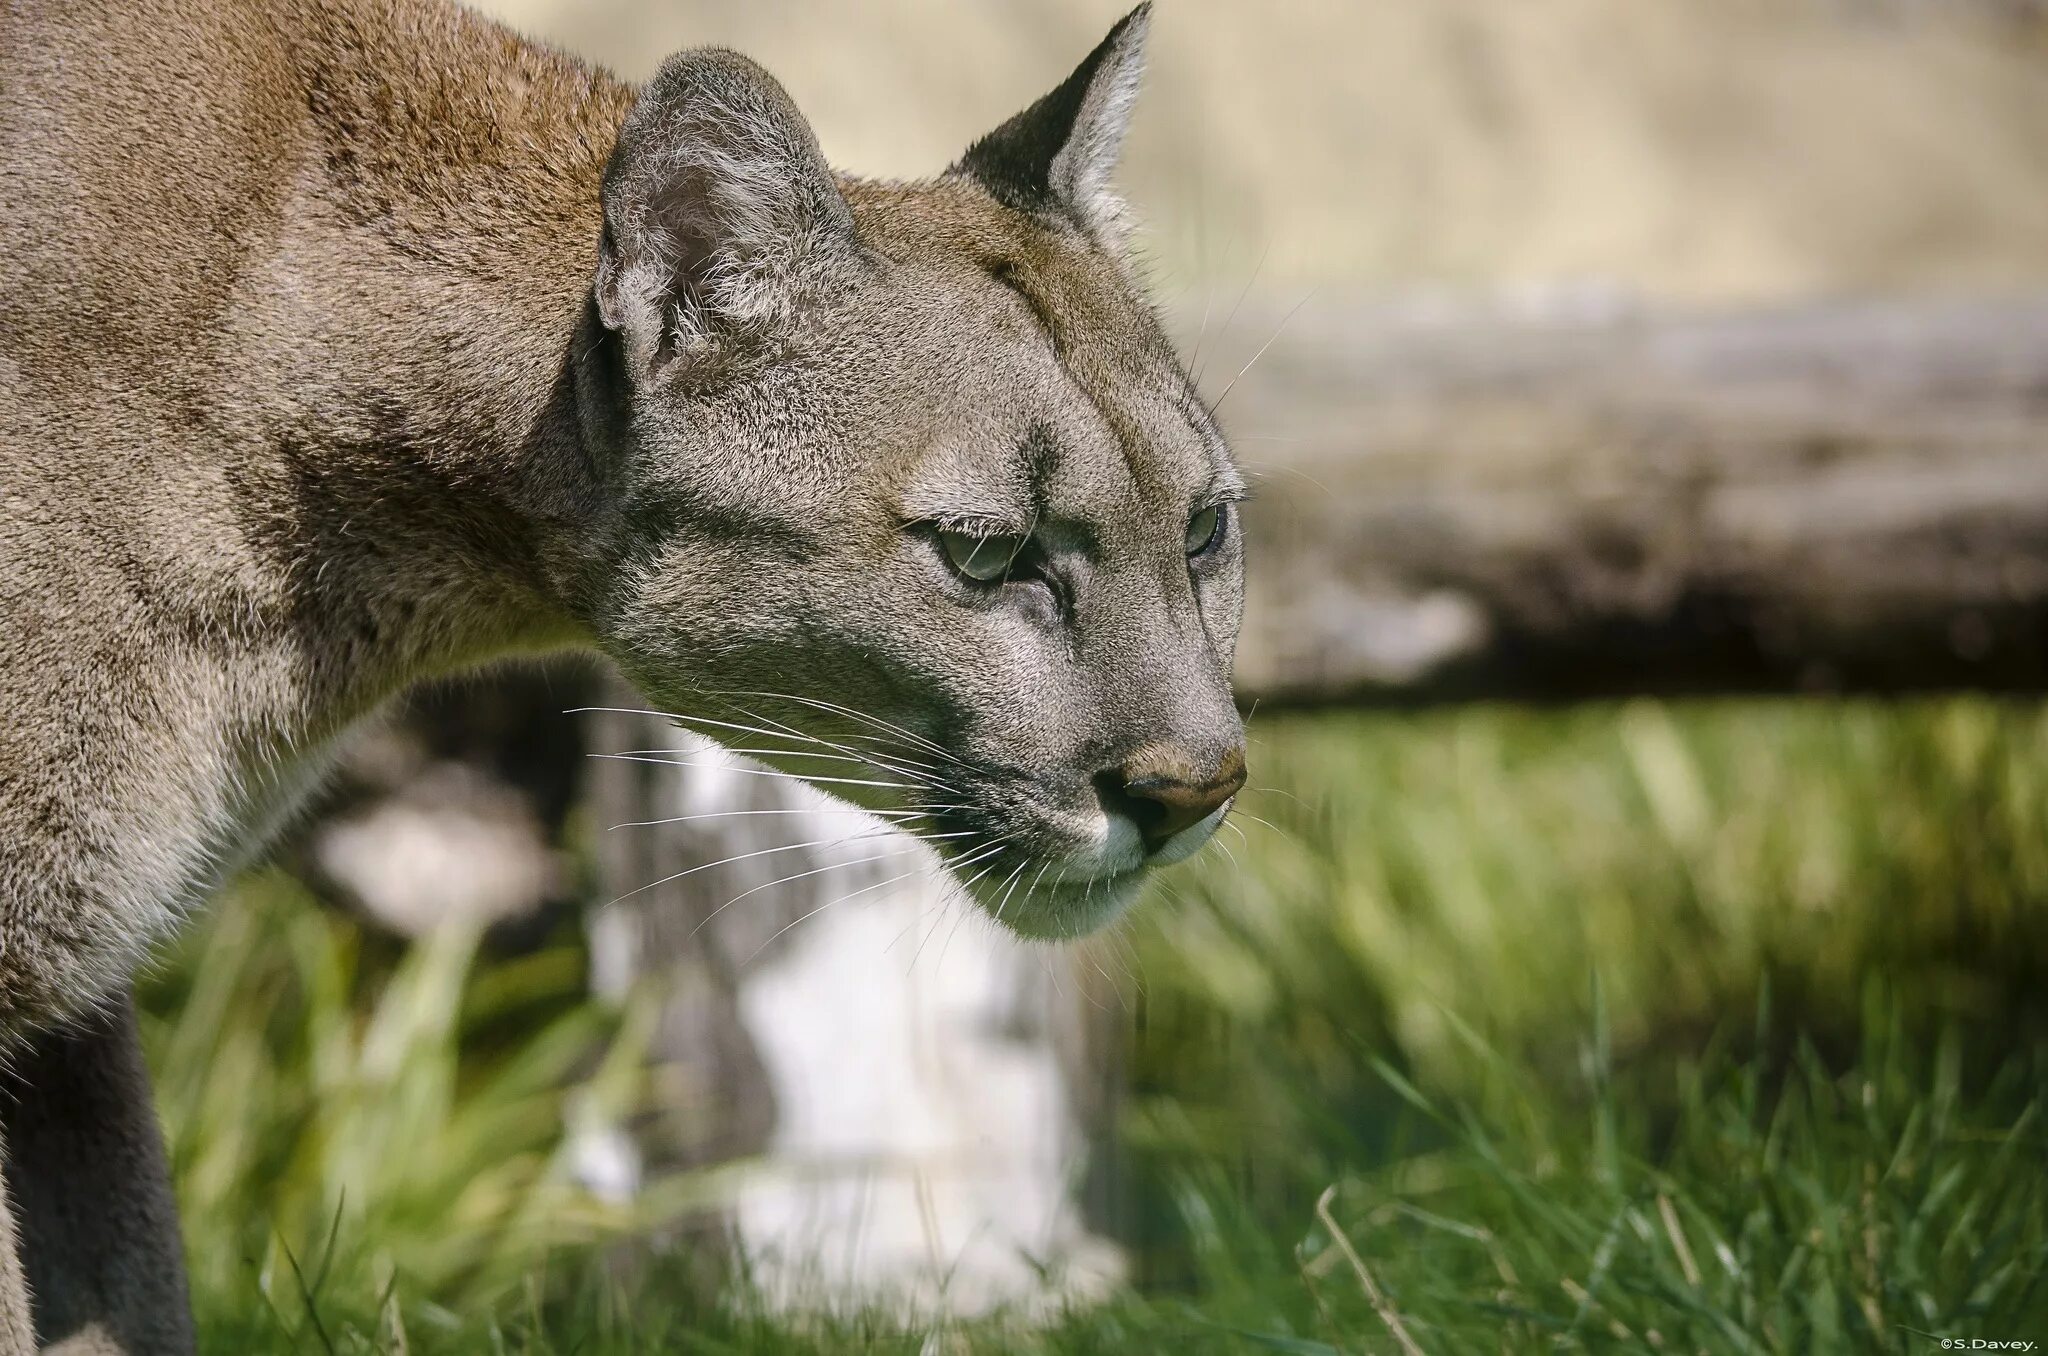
(1635, 936)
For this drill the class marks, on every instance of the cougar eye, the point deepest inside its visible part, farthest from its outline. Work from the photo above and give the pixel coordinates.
(982, 559)
(1205, 529)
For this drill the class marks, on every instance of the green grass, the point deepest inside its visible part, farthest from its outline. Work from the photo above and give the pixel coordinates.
(1694, 1028)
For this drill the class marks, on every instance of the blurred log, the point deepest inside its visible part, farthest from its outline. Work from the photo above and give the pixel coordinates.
(1555, 501)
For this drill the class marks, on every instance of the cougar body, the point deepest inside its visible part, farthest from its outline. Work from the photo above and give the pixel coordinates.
(348, 342)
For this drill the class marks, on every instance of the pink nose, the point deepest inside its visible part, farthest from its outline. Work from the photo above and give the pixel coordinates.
(1163, 795)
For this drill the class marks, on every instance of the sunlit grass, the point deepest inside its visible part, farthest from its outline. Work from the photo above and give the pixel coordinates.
(1687, 1028)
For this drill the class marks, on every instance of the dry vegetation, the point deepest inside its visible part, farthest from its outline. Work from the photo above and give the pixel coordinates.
(1730, 149)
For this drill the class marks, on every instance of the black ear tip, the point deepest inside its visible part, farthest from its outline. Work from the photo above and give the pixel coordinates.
(1059, 152)
(1129, 31)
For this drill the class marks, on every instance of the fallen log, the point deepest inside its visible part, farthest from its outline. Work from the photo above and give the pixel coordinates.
(1583, 498)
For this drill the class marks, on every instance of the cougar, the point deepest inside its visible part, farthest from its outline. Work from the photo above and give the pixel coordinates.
(348, 342)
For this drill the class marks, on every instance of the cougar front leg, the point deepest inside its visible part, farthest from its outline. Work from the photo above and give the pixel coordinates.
(93, 1212)
(17, 1328)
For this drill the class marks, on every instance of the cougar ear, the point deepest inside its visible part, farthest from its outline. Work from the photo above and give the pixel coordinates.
(1060, 154)
(719, 209)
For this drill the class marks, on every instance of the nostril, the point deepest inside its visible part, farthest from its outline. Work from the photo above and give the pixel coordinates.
(1163, 804)
(1118, 798)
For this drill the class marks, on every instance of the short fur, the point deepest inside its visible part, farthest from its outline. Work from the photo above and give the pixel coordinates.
(347, 342)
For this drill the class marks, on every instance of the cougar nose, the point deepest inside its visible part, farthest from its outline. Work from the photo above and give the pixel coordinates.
(1160, 793)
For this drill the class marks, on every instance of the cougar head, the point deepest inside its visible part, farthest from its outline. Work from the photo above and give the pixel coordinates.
(907, 493)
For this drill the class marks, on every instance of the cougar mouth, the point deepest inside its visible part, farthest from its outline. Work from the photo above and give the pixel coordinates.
(1024, 897)
(1045, 869)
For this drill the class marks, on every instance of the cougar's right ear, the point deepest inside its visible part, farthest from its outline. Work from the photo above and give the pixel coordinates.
(1059, 154)
(719, 211)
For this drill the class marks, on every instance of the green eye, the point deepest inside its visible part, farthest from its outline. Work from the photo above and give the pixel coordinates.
(1205, 529)
(982, 559)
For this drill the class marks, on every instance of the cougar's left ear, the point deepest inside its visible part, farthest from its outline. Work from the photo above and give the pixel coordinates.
(719, 213)
(1060, 154)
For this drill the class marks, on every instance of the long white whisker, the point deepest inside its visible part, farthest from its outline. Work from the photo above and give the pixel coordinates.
(975, 855)
(1032, 888)
(941, 902)
(872, 739)
(730, 814)
(1236, 813)
(1011, 885)
(1195, 358)
(964, 888)
(828, 904)
(801, 875)
(1278, 330)
(927, 939)
(959, 917)
(763, 772)
(686, 722)
(875, 721)
(1231, 319)
(739, 753)
(747, 856)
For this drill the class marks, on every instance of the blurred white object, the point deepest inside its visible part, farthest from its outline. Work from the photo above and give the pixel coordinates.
(924, 1145)
(913, 1133)
(452, 844)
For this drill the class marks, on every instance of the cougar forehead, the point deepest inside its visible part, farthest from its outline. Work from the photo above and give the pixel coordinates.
(1053, 396)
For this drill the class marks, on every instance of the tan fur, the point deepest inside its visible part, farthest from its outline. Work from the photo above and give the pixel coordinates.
(345, 342)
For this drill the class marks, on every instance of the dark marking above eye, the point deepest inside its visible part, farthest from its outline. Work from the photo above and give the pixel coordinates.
(1041, 453)
(1013, 276)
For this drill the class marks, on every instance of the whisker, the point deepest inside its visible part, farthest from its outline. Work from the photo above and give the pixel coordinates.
(941, 902)
(1277, 331)
(801, 875)
(1032, 888)
(782, 730)
(686, 722)
(730, 814)
(959, 917)
(1236, 813)
(763, 772)
(1253, 468)
(958, 891)
(1195, 358)
(965, 888)
(739, 753)
(927, 937)
(880, 884)
(1011, 885)
(746, 856)
(1114, 988)
(1230, 319)
(862, 716)
(996, 853)
(979, 854)
(957, 921)
(1276, 791)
